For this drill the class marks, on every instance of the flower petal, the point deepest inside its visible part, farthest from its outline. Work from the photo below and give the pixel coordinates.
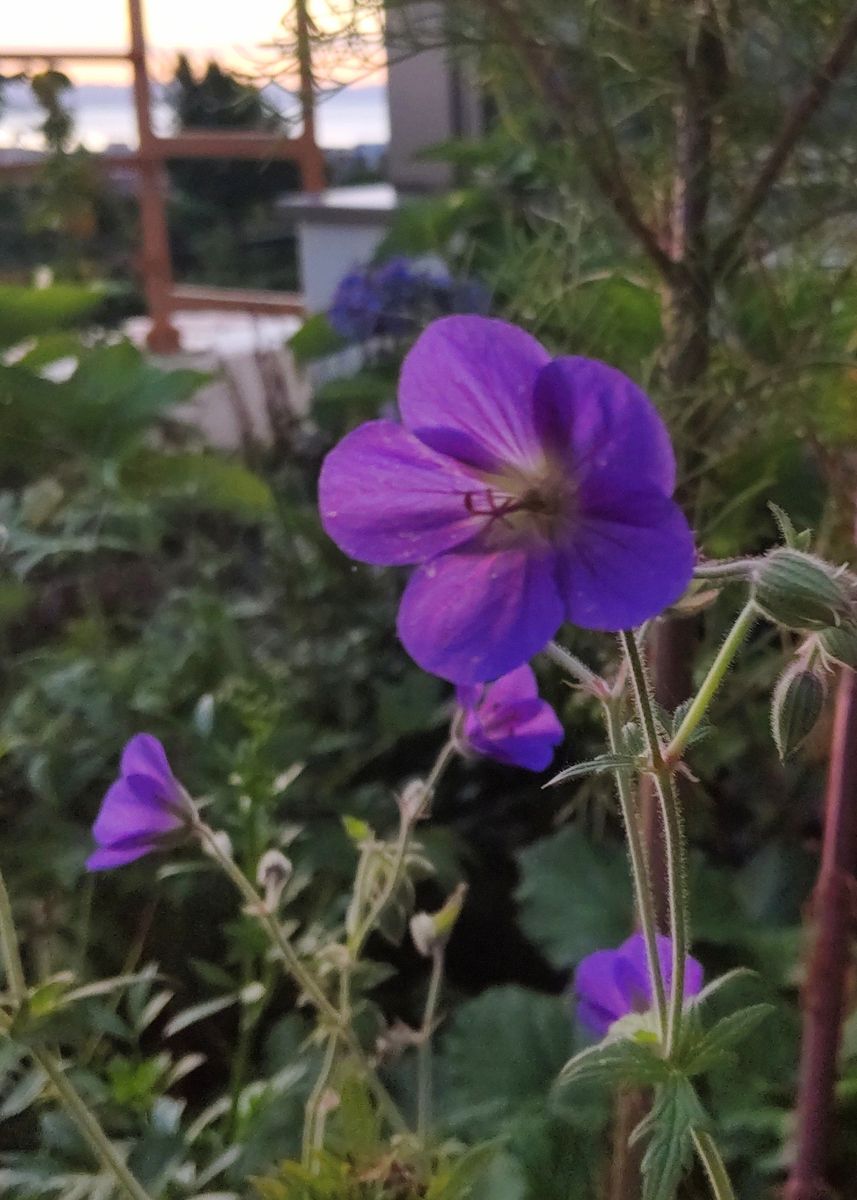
(384, 497)
(604, 426)
(133, 807)
(466, 390)
(520, 734)
(628, 561)
(107, 859)
(469, 617)
(144, 755)
(633, 953)
(599, 1000)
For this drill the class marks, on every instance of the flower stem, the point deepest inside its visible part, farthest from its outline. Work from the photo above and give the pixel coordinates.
(715, 1168)
(313, 1125)
(11, 955)
(712, 681)
(639, 866)
(88, 1124)
(577, 669)
(673, 841)
(73, 1103)
(400, 853)
(424, 1050)
(726, 569)
(297, 970)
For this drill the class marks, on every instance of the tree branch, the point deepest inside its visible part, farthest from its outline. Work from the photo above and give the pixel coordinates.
(798, 117)
(599, 150)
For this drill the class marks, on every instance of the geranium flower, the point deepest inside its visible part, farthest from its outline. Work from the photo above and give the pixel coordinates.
(508, 721)
(610, 984)
(146, 808)
(526, 490)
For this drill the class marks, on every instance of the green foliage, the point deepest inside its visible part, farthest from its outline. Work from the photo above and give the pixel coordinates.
(30, 312)
(573, 896)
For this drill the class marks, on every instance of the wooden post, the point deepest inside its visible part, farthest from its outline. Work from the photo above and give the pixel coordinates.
(156, 264)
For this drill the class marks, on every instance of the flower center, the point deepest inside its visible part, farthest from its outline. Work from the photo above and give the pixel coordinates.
(518, 506)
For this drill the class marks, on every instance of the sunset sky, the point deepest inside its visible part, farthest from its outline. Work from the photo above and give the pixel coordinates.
(233, 32)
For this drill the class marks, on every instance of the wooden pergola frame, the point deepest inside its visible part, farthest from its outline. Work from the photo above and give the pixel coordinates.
(163, 297)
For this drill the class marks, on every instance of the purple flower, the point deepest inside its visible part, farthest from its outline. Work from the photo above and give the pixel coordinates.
(145, 809)
(610, 984)
(525, 490)
(507, 721)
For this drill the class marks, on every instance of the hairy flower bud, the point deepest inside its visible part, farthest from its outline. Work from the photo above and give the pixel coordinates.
(796, 705)
(840, 644)
(798, 591)
(431, 931)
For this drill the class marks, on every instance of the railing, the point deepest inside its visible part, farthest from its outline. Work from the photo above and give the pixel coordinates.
(163, 297)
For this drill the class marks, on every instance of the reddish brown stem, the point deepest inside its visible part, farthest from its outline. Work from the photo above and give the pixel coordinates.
(824, 994)
(807, 104)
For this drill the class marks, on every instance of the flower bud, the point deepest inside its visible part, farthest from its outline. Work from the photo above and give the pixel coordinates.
(796, 706)
(431, 931)
(272, 875)
(840, 644)
(799, 591)
(413, 799)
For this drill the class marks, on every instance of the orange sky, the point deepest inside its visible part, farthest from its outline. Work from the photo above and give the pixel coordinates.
(232, 32)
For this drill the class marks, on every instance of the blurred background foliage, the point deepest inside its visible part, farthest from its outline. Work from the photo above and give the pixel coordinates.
(148, 583)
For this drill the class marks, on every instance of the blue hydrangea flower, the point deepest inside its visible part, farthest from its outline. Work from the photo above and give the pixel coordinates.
(525, 490)
(398, 297)
(146, 808)
(611, 984)
(508, 721)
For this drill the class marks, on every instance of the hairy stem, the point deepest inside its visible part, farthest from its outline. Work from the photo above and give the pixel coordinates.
(715, 1168)
(424, 1049)
(639, 867)
(673, 839)
(716, 672)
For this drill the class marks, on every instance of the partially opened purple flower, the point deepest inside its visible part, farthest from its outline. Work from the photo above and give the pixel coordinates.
(525, 490)
(508, 721)
(145, 809)
(610, 984)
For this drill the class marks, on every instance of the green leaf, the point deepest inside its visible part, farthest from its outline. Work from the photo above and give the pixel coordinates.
(708, 1050)
(316, 338)
(198, 1012)
(669, 1126)
(574, 896)
(595, 766)
(534, 1032)
(617, 1062)
(28, 312)
(201, 480)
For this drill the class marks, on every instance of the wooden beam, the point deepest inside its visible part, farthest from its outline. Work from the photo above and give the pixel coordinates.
(238, 143)
(259, 302)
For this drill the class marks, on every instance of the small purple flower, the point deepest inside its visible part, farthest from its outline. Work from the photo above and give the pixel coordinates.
(508, 721)
(525, 490)
(610, 984)
(144, 810)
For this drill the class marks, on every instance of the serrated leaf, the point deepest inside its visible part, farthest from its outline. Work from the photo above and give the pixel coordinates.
(594, 766)
(574, 896)
(675, 1114)
(617, 1062)
(711, 1047)
(785, 525)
